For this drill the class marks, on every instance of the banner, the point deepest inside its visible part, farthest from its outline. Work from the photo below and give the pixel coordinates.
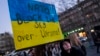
(34, 23)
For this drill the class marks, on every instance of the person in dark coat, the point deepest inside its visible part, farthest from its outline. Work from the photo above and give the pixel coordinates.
(67, 50)
(96, 38)
(76, 43)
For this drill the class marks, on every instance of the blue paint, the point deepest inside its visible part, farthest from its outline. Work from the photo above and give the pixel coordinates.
(29, 10)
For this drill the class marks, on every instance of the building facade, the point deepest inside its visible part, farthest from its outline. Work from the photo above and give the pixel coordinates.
(83, 16)
(6, 42)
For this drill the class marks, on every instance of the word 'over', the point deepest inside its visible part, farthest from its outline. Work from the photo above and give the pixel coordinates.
(27, 37)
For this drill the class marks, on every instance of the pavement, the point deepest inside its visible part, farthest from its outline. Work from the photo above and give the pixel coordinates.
(91, 50)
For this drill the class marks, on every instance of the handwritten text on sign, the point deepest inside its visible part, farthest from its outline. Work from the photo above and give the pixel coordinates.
(33, 23)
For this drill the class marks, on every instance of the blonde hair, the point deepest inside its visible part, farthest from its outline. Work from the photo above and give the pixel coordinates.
(74, 39)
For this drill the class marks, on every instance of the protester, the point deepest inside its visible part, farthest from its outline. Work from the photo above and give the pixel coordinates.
(67, 50)
(96, 38)
(49, 51)
(21, 53)
(75, 42)
(32, 52)
(56, 50)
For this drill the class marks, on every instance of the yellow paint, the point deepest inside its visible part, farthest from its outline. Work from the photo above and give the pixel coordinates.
(30, 36)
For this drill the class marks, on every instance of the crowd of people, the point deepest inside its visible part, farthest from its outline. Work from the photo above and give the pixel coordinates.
(71, 46)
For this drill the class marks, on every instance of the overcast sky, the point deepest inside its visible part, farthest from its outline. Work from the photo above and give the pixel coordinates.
(5, 22)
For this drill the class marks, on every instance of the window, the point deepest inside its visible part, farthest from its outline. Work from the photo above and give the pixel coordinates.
(87, 4)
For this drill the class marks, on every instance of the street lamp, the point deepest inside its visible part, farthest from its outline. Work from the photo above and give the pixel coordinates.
(92, 30)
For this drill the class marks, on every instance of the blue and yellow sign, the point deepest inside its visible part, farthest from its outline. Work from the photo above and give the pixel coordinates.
(34, 23)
